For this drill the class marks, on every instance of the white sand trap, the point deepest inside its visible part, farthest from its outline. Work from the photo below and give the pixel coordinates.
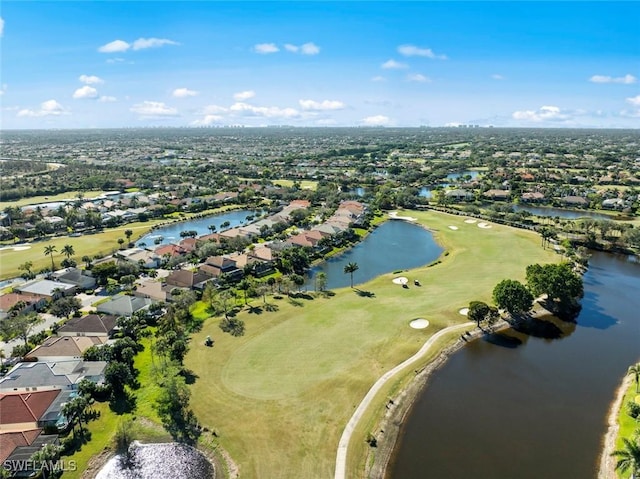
(400, 280)
(453, 228)
(464, 311)
(484, 225)
(470, 221)
(21, 248)
(394, 216)
(419, 323)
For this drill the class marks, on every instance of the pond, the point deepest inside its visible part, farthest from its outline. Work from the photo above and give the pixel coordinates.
(171, 233)
(456, 176)
(560, 212)
(151, 461)
(514, 405)
(394, 245)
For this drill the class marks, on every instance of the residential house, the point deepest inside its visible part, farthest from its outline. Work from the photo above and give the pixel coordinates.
(218, 265)
(82, 279)
(575, 201)
(23, 411)
(63, 375)
(30, 303)
(46, 288)
(89, 325)
(153, 289)
(63, 348)
(183, 278)
(143, 257)
(123, 305)
(498, 195)
(613, 203)
(459, 195)
(532, 197)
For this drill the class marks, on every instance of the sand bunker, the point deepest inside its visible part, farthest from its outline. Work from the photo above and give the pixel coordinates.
(453, 228)
(419, 323)
(394, 216)
(484, 225)
(15, 248)
(464, 311)
(470, 221)
(400, 280)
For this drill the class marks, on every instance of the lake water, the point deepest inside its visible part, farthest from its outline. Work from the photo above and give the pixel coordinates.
(515, 406)
(152, 461)
(392, 246)
(560, 213)
(171, 233)
(455, 176)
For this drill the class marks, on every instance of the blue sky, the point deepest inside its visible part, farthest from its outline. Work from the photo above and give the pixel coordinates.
(176, 63)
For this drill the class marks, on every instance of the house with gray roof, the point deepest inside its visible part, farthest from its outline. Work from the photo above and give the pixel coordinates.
(89, 325)
(75, 276)
(124, 305)
(65, 375)
(47, 288)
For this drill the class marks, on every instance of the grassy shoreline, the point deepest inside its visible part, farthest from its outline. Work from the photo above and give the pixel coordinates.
(280, 395)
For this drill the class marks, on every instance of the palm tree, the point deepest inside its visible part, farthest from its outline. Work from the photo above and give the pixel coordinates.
(87, 261)
(49, 250)
(351, 268)
(128, 234)
(635, 372)
(628, 457)
(68, 251)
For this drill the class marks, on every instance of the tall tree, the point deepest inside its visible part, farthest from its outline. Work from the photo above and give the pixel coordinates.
(321, 281)
(562, 286)
(635, 372)
(628, 457)
(512, 296)
(20, 326)
(48, 251)
(351, 268)
(68, 251)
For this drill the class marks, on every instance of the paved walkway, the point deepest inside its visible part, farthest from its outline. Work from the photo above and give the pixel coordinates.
(345, 439)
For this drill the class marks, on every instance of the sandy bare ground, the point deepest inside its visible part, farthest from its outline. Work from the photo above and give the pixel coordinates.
(607, 462)
(394, 216)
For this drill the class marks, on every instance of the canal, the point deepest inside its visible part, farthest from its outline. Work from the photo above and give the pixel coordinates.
(513, 405)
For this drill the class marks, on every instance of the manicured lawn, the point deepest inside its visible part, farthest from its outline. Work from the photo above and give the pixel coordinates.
(102, 244)
(33, 200)
(304, 184)
(280, 396)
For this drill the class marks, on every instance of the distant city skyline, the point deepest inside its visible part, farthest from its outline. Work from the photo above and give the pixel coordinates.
(115, 64)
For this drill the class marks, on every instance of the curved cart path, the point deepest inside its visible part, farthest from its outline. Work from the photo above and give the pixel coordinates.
(343, 445)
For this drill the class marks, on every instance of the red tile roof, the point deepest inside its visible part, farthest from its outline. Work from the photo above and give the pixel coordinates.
(16, 408)
(9, 441)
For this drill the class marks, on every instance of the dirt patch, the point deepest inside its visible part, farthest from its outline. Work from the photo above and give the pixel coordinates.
(96, 463)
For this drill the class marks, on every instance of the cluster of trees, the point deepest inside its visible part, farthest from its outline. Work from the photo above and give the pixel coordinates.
(561, 285)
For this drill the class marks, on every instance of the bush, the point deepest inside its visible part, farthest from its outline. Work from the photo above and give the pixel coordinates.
(633, 409)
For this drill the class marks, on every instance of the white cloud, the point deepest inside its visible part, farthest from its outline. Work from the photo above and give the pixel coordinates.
(379, 79)
(90, 79)
(417, 77)
(626, 80)
(47, 108)
(377, 120)
(114, 46)
(153, 109)
(324, 105)
(497, 76)
(3, 89)
(143, 43)
(393, 65)
(413, 51)
(265, 48)
(183, 93)
(244, 95)
(1, 26)
(85, 92)
(107, 99)
(115, 60)
(207, 120)
(545, 113)
(634, 100)
(139, 44)
(309, 49)
(263, 111)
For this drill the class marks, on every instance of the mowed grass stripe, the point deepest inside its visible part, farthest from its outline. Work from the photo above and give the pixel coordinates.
(280, 395)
